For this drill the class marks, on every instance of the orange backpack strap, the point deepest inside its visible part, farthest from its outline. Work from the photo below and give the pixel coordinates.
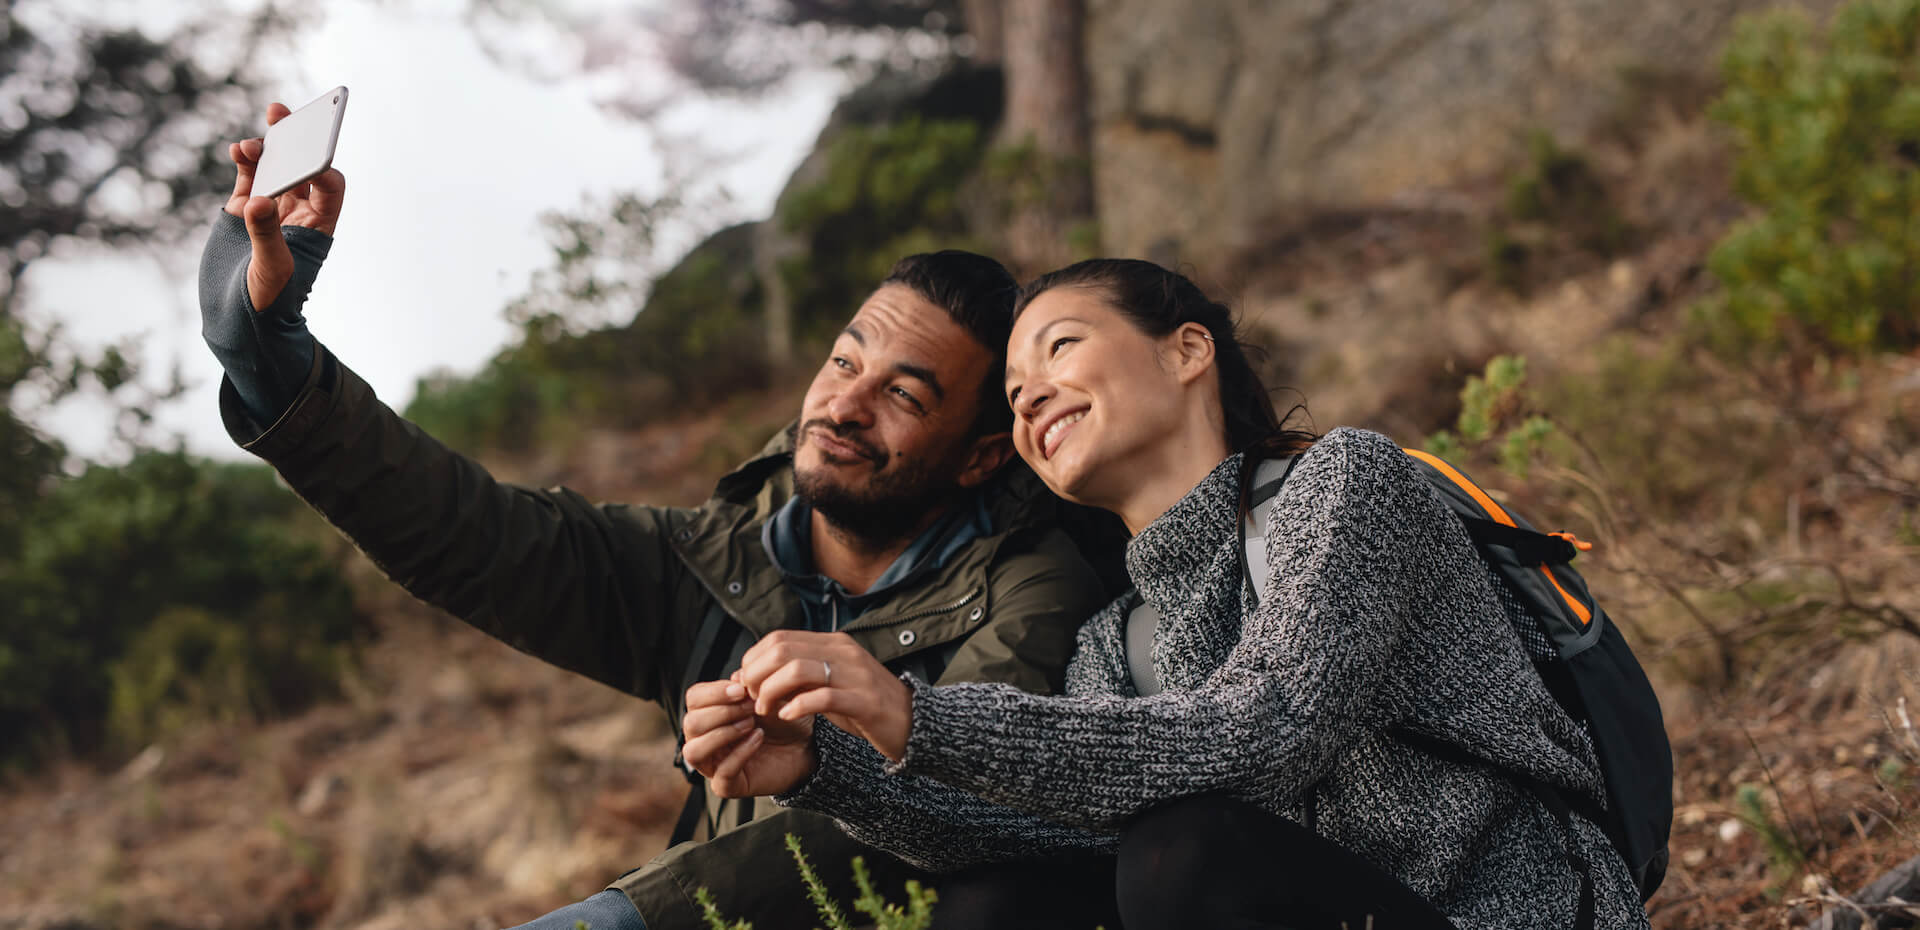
(1490, 524)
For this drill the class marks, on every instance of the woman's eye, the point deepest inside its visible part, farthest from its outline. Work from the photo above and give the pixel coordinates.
(1060, 343)
(1013, 397)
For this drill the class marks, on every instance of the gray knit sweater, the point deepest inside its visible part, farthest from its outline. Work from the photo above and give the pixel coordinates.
(1378, 618)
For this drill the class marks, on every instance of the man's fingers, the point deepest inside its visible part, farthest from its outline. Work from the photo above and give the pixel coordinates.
(244, 165)
(272, 264)
(707, 719)
(705, 753)
(328, 195)
(737, 759)
(710, 693)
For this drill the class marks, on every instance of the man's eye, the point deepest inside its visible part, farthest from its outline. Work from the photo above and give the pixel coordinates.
(909, 398)
(840, 362)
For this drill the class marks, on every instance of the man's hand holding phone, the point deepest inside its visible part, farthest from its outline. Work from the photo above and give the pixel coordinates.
(265, 253)
(313, 204)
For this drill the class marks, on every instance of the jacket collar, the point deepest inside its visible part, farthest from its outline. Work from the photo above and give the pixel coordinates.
(722, 545)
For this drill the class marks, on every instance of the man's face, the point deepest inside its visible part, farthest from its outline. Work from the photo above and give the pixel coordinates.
(883, 436)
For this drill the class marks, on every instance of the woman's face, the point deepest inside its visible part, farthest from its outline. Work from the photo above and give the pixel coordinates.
(1090, 393)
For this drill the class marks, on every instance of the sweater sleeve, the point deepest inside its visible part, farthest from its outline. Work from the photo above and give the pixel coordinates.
(931, 825)
(1304, 677)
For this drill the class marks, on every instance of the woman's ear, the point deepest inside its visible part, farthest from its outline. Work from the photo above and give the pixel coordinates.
(1192, 351)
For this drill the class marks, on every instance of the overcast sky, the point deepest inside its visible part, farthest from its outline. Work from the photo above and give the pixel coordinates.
(450, 160)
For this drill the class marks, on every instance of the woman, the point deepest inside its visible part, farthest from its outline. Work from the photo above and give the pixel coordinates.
(1263, 753)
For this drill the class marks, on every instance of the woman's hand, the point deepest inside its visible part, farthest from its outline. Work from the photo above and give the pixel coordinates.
(793, 675)
(314, 205)
(742, 755)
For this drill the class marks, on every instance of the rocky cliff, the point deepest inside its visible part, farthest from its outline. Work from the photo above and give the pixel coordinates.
(1212, 118)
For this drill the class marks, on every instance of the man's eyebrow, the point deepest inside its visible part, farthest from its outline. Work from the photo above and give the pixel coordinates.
(857, 335)
(922, 374)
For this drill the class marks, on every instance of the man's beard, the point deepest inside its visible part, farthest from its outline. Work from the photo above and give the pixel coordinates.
(892, 505)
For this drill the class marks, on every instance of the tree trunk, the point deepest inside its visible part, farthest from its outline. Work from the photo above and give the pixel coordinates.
(1047, 119)
(986, 23)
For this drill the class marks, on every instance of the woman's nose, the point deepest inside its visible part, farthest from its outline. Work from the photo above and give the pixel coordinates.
(1032, 398)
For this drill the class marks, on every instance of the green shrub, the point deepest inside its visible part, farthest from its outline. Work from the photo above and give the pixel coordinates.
(145, 594)
(699, 337)
(888, 190)
(1827, 128)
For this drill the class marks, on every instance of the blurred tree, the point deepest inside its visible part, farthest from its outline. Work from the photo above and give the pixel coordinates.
(1048, 131)
(109, 137)
(746, 47)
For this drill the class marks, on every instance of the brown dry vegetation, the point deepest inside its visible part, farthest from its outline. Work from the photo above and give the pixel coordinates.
(1758, 536)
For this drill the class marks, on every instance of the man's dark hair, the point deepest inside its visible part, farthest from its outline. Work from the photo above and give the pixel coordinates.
(978, 293)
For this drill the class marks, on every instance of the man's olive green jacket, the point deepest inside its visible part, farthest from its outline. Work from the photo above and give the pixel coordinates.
(651, 599)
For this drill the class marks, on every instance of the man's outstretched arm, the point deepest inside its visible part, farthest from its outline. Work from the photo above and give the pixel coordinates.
(581, 586)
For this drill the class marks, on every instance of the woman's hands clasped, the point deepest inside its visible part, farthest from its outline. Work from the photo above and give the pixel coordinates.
(753, 734)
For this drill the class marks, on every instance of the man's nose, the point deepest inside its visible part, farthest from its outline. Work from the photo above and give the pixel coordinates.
(853, 405)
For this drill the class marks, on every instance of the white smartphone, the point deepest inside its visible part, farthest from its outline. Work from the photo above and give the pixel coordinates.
(300, 145)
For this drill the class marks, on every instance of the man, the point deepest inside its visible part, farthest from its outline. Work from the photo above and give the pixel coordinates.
(884, 512)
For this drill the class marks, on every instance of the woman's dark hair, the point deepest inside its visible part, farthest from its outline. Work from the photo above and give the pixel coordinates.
(1158, 301)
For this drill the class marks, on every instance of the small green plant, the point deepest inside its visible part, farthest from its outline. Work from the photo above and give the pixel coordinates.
(817, 890)
(1892, 774)
(916, 914)
(1784, 849)
(1494, 407)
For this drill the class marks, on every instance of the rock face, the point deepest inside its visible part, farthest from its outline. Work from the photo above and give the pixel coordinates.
(1212, 117)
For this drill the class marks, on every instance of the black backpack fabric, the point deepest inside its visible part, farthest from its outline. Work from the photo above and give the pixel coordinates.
(1577, 649)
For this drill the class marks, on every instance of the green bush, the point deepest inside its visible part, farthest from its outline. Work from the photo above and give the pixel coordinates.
(699, 337)
(889, 190)
(1827, 128)
(146, 594)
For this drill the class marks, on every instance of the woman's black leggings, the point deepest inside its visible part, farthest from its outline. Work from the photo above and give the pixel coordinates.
(1207, 862)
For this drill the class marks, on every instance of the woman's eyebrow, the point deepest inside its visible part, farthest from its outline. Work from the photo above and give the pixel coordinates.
(1042, 334)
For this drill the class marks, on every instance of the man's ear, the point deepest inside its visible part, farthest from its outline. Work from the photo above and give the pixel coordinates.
(987, 455)
(1192, 351)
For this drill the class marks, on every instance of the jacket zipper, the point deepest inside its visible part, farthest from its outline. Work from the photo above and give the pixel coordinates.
(946, 609)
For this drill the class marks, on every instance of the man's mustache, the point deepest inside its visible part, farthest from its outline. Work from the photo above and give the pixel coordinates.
(845, 434)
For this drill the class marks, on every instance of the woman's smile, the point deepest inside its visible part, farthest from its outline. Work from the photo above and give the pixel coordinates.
(1057, 433)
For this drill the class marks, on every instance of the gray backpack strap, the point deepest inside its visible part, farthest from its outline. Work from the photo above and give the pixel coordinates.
(1268, 478)
(1141, 622)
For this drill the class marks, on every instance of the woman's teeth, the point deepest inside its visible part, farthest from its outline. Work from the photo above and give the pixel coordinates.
(1059, 427)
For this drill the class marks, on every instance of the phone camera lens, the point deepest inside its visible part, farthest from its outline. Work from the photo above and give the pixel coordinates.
(336, 100)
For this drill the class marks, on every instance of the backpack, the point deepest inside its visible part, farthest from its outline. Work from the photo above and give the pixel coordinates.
(1579, 652)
